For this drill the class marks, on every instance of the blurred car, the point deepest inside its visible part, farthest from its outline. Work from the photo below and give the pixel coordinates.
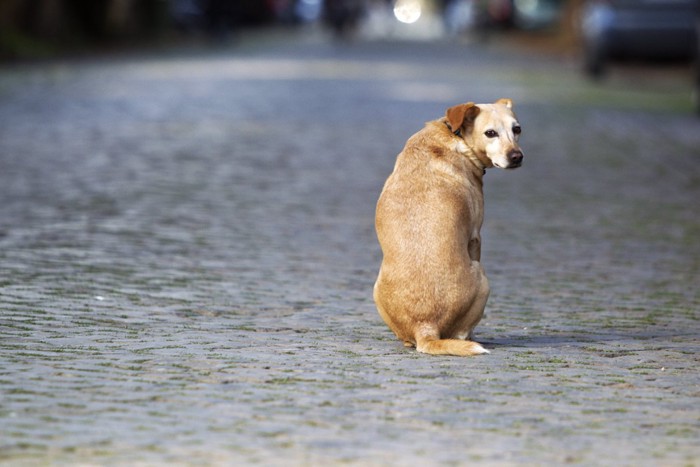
(638, 29)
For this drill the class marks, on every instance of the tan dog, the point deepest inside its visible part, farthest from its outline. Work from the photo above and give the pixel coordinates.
(431, 290)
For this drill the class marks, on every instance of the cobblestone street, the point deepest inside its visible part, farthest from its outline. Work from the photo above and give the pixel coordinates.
(187, 256)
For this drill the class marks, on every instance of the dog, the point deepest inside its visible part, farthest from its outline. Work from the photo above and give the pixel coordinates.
(431, 289)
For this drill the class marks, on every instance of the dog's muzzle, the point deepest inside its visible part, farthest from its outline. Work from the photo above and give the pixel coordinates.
(515, 159)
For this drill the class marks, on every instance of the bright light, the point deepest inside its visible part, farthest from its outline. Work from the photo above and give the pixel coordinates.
(407, 11)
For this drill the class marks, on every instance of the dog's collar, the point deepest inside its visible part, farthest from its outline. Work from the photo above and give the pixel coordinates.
(457, 132)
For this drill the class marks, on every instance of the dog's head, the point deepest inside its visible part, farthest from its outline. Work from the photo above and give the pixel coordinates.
(491, 131)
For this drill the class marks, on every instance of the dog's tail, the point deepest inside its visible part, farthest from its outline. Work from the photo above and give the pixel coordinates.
(431, 344)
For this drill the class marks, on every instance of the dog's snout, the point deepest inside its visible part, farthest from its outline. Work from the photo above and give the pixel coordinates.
(516, 157)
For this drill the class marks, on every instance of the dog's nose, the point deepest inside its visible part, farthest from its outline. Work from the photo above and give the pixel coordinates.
(516, 157)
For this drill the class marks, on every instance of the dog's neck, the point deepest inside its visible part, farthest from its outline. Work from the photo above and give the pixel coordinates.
(463, 148)
(475, 160)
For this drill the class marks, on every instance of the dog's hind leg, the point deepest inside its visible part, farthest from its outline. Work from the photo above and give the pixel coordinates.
(428, 341)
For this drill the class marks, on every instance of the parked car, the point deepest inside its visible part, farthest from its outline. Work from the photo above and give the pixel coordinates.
(638, 29)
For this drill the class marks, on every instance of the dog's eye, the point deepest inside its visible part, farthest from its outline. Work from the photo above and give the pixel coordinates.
(517, 130)
(490, 133)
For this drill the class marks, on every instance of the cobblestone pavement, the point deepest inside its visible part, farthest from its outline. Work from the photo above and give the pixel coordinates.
(188, 251)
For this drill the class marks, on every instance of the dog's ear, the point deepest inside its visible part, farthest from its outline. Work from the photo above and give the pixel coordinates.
(461, 115)
(505, 101)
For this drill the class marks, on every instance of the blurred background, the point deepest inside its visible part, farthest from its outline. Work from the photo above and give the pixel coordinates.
(594, 34)
(600, 29)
